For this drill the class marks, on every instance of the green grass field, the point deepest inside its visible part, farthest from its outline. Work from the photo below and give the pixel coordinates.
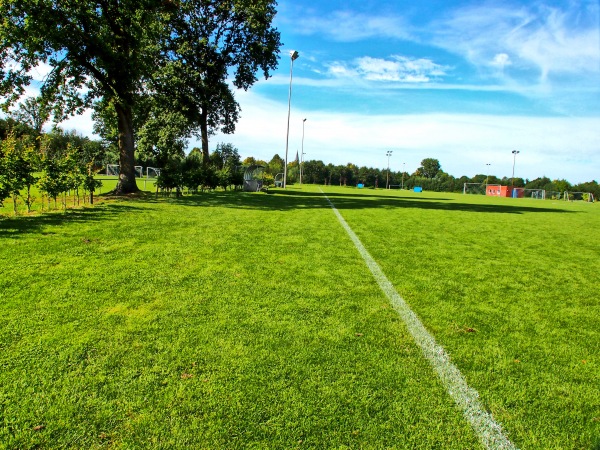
(249, 320)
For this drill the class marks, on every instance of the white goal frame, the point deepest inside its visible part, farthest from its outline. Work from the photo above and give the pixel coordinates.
(479, 188)
(152, 172)
(539, 194)
(113, 170)
(579, 196)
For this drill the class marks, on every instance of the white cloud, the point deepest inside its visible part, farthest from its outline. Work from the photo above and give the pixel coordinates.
(501, 60)
(464, 143)
(40, 72)
(547, 39)
(83, 124)
(348, 26)
(551, 40)
(398, 68)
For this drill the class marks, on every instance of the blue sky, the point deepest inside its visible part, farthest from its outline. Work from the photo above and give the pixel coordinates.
(463, 82)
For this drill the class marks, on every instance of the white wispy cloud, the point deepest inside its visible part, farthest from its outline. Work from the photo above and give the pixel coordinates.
(348, 26)
(398, 68)
(546, 39)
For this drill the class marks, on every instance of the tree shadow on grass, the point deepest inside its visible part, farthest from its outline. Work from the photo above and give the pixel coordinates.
(275, 200)
(15, 226)
(284, 200)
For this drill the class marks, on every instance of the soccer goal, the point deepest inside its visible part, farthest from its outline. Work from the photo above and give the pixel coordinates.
(113, 170)
(139, 171)
(152, 172)
(538, 194)
(579, 196)
(474, 188)
(554, 195)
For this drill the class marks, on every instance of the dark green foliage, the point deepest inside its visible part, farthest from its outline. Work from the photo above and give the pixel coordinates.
(59, 143)
(90, 183)
(429, 168)
(96, 51)
(209, 42)
(54, 179)
(275, 166)
(18, 162)
(171, 176)
(10, 126)
(224, 170)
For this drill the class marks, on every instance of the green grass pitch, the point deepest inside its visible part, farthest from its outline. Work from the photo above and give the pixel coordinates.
(249, 320)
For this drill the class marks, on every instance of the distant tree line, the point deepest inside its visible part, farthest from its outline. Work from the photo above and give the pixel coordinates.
(429, 176)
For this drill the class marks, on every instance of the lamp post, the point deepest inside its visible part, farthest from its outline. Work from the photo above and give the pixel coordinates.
(512, 182)
(488, 174)
(403, 170)
(387, 183)
(293, 56)
(302, 154)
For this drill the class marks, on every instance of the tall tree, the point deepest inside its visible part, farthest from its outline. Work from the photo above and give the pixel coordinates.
(34, 112)
(429, 167)
(103, 49)
(211, 42)
(122, 51)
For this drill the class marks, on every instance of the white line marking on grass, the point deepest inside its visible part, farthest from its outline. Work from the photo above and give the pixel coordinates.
(487, 429)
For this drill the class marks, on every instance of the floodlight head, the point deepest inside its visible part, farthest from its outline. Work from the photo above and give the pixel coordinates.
(516, 152)
(294, 55)
(304, 120)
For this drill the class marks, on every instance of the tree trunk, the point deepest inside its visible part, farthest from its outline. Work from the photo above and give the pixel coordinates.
(204, 135)
(127, 183)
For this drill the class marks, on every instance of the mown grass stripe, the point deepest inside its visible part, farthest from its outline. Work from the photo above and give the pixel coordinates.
(488, 431)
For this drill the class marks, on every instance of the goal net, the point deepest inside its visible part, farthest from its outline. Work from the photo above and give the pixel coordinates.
(112, 170)
(539, 194)
(580, 196)
(554, 195)
(152, 172)
(474, 188)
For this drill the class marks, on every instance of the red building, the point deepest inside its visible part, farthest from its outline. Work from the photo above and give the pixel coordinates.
(504, 191)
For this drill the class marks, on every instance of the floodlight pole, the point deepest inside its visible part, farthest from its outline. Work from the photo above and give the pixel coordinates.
(293, 56)
(387, 183)
(302, 154)
(488, 174)
(512, 182)
(403, 170)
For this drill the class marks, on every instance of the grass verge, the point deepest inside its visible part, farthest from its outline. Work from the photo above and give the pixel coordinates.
(232, 320)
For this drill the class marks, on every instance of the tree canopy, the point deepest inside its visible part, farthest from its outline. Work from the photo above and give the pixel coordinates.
(178, 53)
(429, 167)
